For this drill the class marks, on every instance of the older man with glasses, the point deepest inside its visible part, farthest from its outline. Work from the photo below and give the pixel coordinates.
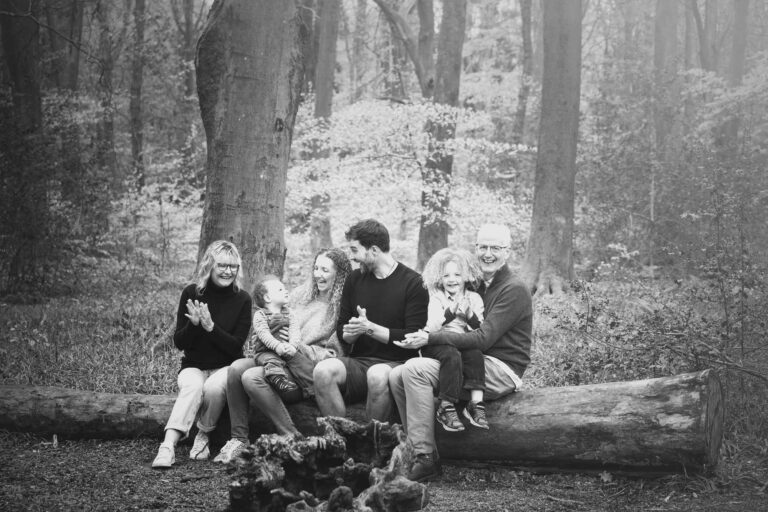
(504, 337)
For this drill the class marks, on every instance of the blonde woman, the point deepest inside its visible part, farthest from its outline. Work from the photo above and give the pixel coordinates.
(212, 325)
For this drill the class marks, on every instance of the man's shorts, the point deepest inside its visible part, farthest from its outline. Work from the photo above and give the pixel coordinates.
(355, 388)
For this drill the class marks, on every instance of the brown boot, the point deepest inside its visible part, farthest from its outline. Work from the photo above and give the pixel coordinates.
(425, 468)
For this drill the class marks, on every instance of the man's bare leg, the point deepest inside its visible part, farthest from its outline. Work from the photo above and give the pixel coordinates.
(378, 405)
(329, 375)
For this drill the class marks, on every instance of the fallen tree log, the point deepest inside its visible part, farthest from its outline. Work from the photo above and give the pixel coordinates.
(654, 425)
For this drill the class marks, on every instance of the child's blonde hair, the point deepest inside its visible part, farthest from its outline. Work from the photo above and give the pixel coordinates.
(433, 270)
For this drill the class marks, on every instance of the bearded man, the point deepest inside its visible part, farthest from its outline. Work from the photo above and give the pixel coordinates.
(382, 301)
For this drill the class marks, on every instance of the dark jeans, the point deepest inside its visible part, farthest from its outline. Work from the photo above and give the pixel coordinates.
(300, 368)
(456, 368)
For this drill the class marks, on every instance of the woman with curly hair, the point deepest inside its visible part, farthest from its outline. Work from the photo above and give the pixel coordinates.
(314, 308)
(449, 276)
(212, 324)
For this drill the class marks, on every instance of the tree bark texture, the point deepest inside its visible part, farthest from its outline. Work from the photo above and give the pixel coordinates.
(249, 76)
(655, 425)
(526, 76)
(437, 173)
(327, 29)
(66, 18)
(24, 202)
(548, 261)
(105, 131)
(137, 82)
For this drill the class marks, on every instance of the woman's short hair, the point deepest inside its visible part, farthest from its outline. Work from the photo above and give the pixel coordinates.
(433, 270)
(208, 260)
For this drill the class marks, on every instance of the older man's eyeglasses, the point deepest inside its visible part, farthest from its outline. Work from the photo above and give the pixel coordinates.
(224, 266)
(495, 249)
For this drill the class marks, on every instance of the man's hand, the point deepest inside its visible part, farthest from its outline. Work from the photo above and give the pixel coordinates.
(357, 324)
(414, 340)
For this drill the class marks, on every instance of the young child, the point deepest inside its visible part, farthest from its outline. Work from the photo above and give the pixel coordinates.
(447, 275)
(274, 342)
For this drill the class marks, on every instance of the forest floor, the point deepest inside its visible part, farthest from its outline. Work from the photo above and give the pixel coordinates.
(38, 475)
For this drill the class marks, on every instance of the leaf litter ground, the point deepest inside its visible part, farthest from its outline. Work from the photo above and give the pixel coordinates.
(38, 475)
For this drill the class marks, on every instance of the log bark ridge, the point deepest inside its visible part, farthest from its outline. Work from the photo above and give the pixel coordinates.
(666, 424)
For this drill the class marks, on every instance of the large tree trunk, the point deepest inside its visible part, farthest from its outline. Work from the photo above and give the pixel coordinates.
(645, 426)
(548, 260)
(23, 195)
(249, 76)
(437, 173)
(137, 82)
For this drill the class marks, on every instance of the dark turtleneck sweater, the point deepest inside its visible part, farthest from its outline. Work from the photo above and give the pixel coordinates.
(231, 315)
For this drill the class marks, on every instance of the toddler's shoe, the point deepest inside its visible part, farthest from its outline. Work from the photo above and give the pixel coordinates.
(475, 413)
(281, 383)
(448, 417)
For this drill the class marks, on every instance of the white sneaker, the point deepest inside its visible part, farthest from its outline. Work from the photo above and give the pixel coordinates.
(230, 451)
(200, 450)
(165, 458)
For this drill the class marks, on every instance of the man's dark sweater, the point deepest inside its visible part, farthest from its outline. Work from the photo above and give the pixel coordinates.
(231, 315)
(397, 302)
(507, 328)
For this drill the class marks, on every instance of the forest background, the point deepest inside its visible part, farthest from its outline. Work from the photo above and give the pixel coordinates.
(661, 262)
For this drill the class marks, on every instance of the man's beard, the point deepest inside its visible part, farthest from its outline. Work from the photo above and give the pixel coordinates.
(364, 269)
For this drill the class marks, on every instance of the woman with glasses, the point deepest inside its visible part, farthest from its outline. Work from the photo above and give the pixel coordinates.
(212, 324)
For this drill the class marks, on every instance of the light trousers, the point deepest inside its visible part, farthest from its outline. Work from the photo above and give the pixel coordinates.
(414, 383)
(203, 391)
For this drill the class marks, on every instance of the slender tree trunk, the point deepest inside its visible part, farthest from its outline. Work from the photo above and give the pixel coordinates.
(24, 227)
(358, 64)
(188, 23)
(137, 81)
(327, 28)
(727, 137)
(518, 130)
(105, 133)
(548, 261)
(421, 57)
(436, 174)
(250, 68)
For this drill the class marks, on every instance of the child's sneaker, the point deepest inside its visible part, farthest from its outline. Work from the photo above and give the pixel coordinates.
(281, 383)
(475, 413)
(200, 449)
(448, 418)
(165, 458)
